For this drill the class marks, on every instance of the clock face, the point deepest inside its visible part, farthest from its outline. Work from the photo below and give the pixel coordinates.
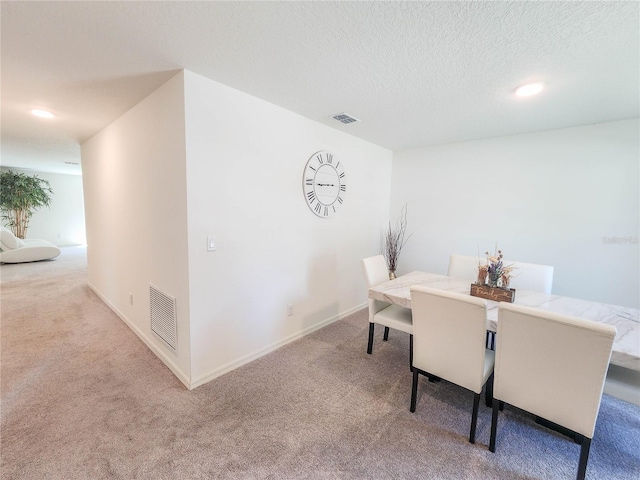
(324, 184)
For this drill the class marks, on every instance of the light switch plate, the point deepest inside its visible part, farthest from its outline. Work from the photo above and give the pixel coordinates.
(211, 244)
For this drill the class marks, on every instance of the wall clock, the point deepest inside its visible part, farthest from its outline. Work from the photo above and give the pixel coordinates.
(324, 183)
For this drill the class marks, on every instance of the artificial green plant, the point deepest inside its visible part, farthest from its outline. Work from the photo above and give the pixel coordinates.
(20, 196)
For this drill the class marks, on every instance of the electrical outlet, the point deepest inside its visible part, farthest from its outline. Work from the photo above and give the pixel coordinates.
(131, 299)
(289, 309)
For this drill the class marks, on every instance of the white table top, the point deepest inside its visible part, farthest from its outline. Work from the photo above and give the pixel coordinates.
(626, 347)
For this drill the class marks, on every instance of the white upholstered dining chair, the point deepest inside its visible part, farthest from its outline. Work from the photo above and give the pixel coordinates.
(526, 276)
(464, 266)
(448, 334)
(382, 313)
(552, 366)
(531, 276)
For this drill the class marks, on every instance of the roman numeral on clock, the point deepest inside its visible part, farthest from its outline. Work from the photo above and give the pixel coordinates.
(311, 196)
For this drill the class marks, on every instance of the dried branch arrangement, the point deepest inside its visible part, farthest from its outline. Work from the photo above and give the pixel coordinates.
(395, 240)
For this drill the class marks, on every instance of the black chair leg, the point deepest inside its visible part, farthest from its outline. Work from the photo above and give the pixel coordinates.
(474, 418)
(491, 340)
(386, 334)
(488, 392)
(411, 352)
(370, 345)
(494, 425)
(414, 390)
(584, 457)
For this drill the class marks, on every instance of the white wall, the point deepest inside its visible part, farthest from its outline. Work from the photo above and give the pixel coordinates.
(245, 159)
(62, 223)
(242, 160)
(567, 198)
(136, 211)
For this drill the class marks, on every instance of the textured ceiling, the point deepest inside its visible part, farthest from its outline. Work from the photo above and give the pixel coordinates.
(414, 73)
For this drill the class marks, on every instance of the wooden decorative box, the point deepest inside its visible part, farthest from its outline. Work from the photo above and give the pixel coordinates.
(493, 293)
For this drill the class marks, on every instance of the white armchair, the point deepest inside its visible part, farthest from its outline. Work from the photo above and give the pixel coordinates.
(15, 250)
(552, 366)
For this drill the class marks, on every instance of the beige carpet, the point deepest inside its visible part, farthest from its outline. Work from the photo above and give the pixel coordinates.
(83, 398)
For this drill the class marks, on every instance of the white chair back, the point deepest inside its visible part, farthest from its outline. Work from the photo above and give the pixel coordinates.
(449, 332)
(464, 266)
(551, 365)
(531, 276)
(375, 270)
(525, 276)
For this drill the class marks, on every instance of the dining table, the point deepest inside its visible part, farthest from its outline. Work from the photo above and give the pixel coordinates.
(626, 347)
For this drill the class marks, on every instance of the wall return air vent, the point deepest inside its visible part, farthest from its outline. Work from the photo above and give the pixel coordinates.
(345, 118)
(163, 316)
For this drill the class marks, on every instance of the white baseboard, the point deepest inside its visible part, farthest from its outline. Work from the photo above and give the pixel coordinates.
(270, 348)
(229, 366)
(159, 353)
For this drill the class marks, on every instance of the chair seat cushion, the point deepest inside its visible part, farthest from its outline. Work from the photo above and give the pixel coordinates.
(398, 318)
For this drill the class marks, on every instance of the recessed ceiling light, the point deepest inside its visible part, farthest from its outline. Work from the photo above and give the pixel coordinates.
(42, 113)
(529, 89)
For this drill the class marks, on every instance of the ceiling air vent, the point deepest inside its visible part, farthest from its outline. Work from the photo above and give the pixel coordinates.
(163, 316)
(345, 118)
